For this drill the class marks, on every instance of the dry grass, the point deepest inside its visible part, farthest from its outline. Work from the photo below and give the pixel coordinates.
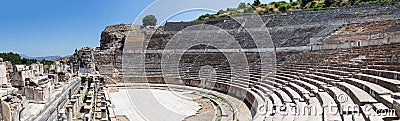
(112, 90)
(206, 113)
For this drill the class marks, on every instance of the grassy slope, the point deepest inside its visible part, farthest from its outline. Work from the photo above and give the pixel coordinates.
(282, 6)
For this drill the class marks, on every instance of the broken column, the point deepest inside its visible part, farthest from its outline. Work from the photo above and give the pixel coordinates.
(3, 72)
(12, 107)
(37, 69)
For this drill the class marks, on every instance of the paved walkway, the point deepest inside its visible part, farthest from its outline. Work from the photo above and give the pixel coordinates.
(153, 105)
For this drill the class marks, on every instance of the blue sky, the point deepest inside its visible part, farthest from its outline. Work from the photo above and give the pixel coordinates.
(58, 27)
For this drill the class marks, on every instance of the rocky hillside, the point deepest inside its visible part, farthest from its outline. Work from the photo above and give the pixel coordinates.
(113, 36)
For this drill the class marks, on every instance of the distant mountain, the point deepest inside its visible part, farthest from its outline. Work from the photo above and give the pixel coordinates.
(41, 58)
(25, 56)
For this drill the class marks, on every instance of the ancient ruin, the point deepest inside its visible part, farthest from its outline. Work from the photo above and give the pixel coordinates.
(321, 56)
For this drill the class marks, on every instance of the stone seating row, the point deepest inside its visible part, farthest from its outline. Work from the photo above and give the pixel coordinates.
(353, 90)
(364, 84)
(253, 97)
(382, 73)
(281, 93)
(390, 84)
(310, 102)
(329, 78)
(384, 67)
(379, 79)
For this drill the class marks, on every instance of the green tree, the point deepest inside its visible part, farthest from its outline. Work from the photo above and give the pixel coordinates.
(328, 3)
(249, 10)
(47, 62)
(284, 7)
(15, 58)
(220, 12)
(242, 5)
(303, 3)
(256, 2)
(149, 20)
(294, 3)
(317, 6)
(271, 10)
(28, 61)
(265, 11)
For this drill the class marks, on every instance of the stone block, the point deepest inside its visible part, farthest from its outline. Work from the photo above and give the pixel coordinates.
(29, 93)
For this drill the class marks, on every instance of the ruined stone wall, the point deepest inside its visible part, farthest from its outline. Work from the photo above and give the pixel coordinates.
(108, 57)
(302, 27)
(108, 63)
(113, 36)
